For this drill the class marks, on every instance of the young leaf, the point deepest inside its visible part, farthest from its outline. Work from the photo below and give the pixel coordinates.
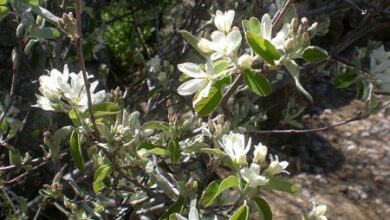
(314, 54)
(263, 207)
(3, 2)
(241, 214)
(75, 151)
(262, 47)
(157, 125)
(104, 109)
(257, 83)
(281, 185)
(214, 189)
(207, 100)
(174, 208)
(294, 71)
(100, 174)
(174, 150)
(252, 25)
(193, 41)
(158, 151)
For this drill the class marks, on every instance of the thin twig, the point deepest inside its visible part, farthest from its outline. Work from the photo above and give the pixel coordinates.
(237, 82)
(357, 117)
(80, 56)
(279, 16)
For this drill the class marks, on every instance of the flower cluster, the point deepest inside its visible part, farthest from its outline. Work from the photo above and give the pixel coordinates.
(225, 40)
(234, 146)
(222, 47)
(57, 94)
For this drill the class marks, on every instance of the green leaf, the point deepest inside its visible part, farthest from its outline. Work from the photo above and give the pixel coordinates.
(281, 185)
(213, 151)
(257, 83)
(157, 125)
(158, 151)
(174, 208)
(104, 109)
(104, 130)
(174, 150)
(214, 189)
(263, 207)
(33, 2)
(294, 71)
(220, 65)
(252, 25)
(73, 116)
(3, 2)
(4, 11)
(193, 41)
(241, 214)
(43, 32)
(100, 174)
(55, 141)
(314, 54)
(262, 47)
(46, 14)
(207, 100)
(346, 79)
(153, 149)
(75, 151)
(14, 157)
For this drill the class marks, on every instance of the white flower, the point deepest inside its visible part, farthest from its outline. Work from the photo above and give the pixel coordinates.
(245, 61)
(266, 32)
(234, 145)
(201, 79)
(252, 176)
(223, 21)
(276, 167)
(204, 45)
(318, 212)
(77, 92)
(259, 153)
(57, 94)
(221, 44)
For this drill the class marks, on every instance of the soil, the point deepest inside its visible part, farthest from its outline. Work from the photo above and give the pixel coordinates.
(346, 168)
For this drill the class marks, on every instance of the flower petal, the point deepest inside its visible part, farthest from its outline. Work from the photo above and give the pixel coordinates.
(191, 70)
(266, 27)
(190, 87)
(233, 40)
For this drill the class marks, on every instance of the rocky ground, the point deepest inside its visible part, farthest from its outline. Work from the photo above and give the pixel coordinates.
(347, 168)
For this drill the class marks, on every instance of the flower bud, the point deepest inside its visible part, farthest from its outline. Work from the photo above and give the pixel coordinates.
(204, 45)
(294, 25)
(68, 24)
(305, 40)
(260, 153)
(276, 166)
(304, 21)
(245, 61)
(289, 45)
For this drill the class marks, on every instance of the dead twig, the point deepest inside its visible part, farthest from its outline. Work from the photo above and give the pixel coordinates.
(357, 117)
